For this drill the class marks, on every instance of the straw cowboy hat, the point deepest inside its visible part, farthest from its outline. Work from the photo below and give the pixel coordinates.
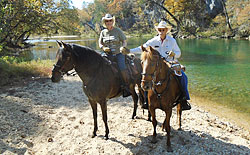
(163, 25)
(108, 17)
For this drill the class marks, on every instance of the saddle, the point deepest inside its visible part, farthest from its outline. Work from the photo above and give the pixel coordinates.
(129, 61)
(176, 67)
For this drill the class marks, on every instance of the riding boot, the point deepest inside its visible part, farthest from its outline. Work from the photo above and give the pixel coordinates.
(185, 105)
(125, 86)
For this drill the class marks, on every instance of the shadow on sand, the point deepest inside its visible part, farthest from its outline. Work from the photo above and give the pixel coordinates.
(182, 144)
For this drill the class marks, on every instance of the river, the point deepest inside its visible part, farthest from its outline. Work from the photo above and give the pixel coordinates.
(218, 69)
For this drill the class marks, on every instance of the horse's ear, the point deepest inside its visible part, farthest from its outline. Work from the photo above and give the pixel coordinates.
(59, 43)
(67, 48)
(64, 45)
(151, 48)
(143, 48)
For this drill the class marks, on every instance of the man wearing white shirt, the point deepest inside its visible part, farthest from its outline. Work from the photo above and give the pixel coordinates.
(168, 48)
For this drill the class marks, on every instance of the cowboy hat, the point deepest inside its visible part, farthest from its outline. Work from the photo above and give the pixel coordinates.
(108, 17)
(163, 25)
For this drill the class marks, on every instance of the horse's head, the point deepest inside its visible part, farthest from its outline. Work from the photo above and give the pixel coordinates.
(151, 67)
(64, 61)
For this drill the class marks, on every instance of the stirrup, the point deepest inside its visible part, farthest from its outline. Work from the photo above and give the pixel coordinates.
(185, 105)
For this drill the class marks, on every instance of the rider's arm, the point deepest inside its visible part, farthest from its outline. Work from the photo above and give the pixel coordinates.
(138, 49)
(100, 41)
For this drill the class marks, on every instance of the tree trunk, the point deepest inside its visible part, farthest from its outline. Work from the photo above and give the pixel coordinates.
(165, 9)
(226, 15)
(91, 27)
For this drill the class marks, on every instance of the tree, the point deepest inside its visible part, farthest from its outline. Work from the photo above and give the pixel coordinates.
(226, 15)
(21, 18)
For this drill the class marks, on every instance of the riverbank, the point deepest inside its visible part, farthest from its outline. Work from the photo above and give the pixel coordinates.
(40, 117)
(233, 115)
(14, 70)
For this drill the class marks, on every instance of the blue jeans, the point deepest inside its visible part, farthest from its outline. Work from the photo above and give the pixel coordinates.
(184, 84)
(121, 61)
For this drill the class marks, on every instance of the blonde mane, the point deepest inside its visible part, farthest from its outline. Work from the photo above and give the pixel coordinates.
(146, 55)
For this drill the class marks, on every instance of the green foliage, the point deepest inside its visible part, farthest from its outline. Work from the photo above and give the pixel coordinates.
(13, 59)
(14, 69)
(21, 18)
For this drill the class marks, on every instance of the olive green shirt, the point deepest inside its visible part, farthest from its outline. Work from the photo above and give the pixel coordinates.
(112, 39)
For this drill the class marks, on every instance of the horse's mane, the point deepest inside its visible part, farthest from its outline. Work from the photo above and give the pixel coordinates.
(149, 55)
(146, 55)
(85, 54)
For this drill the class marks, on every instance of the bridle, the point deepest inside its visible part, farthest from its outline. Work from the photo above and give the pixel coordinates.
(154, 74)
(154, 81)
(60, 68)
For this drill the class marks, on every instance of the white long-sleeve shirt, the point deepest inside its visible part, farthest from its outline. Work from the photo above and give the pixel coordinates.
(168, 44)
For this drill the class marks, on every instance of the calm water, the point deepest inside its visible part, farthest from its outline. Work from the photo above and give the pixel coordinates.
(218, 70)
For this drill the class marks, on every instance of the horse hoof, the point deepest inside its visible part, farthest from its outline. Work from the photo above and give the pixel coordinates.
(93, 136)
(179, 129)
(169, 149)
(106, 138)
(154, 141)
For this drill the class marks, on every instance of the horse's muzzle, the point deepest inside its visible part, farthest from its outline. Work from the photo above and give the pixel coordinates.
(56, 76)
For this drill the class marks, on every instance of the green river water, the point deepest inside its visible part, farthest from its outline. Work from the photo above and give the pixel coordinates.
(218, 70)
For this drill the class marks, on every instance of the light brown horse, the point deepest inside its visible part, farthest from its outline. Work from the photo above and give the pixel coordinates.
(163, 89)
(100, 80)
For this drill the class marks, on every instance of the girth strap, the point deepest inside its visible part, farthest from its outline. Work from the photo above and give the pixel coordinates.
(165, 90)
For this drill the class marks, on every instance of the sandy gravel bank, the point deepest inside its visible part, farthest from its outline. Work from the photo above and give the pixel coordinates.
(46, 118)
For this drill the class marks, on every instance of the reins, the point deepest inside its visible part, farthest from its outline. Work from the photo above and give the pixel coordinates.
(60, 68)
(161, 82)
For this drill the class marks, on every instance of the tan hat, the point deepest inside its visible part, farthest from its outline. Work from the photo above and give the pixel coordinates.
(163, 25)
(108, 17)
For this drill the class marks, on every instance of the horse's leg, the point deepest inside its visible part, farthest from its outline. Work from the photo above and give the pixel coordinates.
(141, 96)
(154, 122)
(149, 116)
(135, 99)
(163, 127)
(94, 110)
(105, 118)
(145, 100)
(179, 112)
(167, 126)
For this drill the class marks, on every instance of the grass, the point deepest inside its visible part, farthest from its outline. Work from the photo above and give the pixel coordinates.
(14, 70)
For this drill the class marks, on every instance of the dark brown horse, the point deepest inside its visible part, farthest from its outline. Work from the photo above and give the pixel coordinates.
(100, 80)
(163, 88)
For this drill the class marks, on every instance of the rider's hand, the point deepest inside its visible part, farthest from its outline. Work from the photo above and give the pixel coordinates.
(106, 49)
(171, 53)
(124, 50)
